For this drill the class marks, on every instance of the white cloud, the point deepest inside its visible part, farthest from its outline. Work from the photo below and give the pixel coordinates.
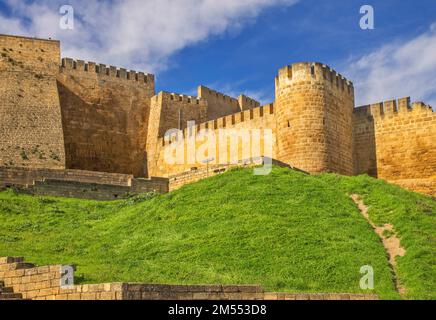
(132, 33)
(396, 70)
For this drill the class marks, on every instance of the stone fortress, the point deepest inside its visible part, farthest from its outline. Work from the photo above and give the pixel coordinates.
(82, 129)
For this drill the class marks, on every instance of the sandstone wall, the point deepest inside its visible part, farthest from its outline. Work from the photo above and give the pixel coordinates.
(314, 118)
(258, 118)
(105, 114)
(218, 104)
(168, 112)
(97, 191)
(30, 116)
(22, 177)
(79, 184)
(246, 103)
(177, 109)
(405, 143)
(364, 142)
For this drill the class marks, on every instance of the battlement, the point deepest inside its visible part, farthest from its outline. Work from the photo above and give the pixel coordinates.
(247, 102)
(392, 107)
(176, 97)
(205, 92)
(104, 70)
(304, 71)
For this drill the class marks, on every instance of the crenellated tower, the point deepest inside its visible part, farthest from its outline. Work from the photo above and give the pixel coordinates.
(314, 112)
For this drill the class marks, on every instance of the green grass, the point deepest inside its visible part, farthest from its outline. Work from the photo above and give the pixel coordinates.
(286, 231)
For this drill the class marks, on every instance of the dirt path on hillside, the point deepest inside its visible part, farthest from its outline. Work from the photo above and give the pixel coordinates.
(389, 239)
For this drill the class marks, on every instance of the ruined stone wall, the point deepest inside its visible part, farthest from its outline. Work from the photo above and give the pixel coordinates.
(405, 143)
(218, 104)
(259, 118)
(105, 114)
(314, 118)
(27, 281)
(79, 183)
(30, 115)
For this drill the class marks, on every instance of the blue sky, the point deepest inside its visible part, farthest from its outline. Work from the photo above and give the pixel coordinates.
(238, 48)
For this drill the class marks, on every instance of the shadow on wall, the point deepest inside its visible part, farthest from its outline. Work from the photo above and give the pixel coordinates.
(365, 153)
(93, 141)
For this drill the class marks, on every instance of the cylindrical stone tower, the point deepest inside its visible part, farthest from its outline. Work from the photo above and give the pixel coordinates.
(314, 112)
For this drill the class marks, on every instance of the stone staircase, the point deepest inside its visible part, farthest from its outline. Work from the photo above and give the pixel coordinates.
(7, 293)
(9, 263)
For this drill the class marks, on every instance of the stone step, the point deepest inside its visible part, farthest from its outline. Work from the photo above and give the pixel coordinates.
(11, 296)
(16, 266)
(6, 290)
(6, 260)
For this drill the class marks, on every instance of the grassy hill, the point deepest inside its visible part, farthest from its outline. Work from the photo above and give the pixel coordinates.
(286, 231)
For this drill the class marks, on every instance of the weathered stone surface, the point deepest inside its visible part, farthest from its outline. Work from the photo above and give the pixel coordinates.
(76, 128)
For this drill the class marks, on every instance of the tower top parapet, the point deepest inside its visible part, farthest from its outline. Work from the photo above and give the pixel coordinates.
(313, 71)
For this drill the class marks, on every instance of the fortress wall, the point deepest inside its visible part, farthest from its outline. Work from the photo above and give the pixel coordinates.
(79, 183)
(405, 140)
(314, 118)
(30, 115)
(218, 104)
(105, 114)
(246, 103)
(364, 142)
(178, 109)
(258, 118)
(170, 111)
(338, 120)
(22, 177)
(98, 191)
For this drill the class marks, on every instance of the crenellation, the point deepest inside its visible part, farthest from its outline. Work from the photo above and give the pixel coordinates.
(393, 108)
(67, 63)
(377, 109)
(184, 98)
(229, 120)
(314, 72)
(362, 111)
(404, 105)
(104, 70)
(79, 64)
(390, 107)
(218, 95)
(122, 74)
(421, 107)
(247, 102)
